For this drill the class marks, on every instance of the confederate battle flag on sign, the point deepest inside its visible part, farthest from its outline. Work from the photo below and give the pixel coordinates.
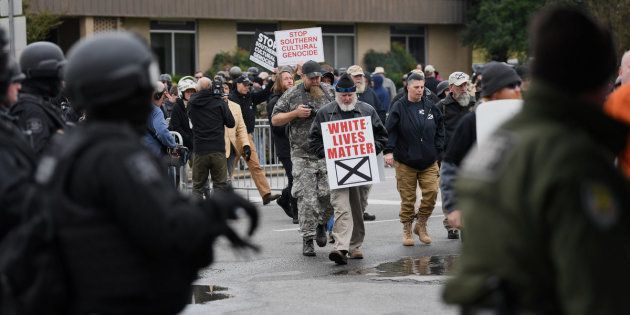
(350, 153)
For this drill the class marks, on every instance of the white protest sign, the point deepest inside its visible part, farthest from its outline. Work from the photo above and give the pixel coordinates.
(492, 114)
(299, 45)
(263, 51)
(350, 153)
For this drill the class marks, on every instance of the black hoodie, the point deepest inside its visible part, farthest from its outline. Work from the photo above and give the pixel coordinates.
(416, 133)
(209, 113)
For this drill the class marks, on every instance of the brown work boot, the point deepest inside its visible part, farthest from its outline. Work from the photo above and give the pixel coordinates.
(269, 197)
(357, 253)
(421, 230)
(407, 239)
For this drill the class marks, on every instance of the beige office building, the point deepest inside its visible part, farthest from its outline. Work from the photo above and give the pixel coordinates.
(187, 34)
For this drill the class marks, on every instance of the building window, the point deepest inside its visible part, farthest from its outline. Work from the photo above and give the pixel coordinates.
(245, 33)
(174, 43)
(338, 45)
(412, 38)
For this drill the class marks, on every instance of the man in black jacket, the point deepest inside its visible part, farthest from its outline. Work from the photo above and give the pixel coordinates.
(209, 114)
(348, 230)
(248, 101)
(454, 106)
(41, 62)
(179, 121)
(281, 142)
(415, 127)
(367, 95)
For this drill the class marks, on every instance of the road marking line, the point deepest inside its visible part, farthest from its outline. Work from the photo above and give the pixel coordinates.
(367, 222)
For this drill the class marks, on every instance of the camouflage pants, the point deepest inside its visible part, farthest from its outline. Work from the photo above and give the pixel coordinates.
(310, 187)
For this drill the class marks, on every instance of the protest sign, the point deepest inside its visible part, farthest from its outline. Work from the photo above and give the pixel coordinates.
(299, 45)
(350, 152)
(492, 114)
(263, 51)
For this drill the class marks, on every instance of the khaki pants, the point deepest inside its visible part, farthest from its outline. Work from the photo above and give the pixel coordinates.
(213, 163)
(348, 230)
(255, 170)
(407, 179)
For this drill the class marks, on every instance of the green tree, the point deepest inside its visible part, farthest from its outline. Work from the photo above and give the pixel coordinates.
(397, 62)
(39, 24)
(499, 26)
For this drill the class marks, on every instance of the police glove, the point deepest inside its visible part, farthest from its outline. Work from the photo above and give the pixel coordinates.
(248, 152)
(225, 205)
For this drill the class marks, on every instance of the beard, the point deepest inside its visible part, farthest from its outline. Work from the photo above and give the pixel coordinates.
(346, 107)
(315, 92)
(360, 87)
(463, 99)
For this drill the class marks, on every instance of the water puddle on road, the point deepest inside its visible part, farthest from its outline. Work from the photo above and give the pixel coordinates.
(408, 266)
(208, 293)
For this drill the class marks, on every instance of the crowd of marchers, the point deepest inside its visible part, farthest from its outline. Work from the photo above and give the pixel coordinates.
(537, 203)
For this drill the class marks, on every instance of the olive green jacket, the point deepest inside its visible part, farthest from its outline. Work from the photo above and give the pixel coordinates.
(546, 213)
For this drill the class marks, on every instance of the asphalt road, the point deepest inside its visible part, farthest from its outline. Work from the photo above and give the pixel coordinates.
(392, 279)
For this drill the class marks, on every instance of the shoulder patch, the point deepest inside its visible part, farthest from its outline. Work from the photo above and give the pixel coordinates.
(34, 125)
(600, 204)
(142, 168)
(485, 162)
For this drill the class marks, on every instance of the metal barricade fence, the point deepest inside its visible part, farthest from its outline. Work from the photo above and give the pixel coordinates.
(270, 163)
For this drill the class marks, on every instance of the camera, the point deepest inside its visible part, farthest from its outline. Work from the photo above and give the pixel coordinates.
(313, 110)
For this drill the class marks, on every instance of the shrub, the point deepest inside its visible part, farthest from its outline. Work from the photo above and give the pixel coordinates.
(224, 60)
(396, 62)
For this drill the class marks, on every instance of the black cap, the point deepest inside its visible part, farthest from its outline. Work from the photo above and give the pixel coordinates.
(495, 76)
(345, 84)
(243, 79)
(312, 69)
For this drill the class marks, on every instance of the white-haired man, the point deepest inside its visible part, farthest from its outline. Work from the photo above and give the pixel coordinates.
(348, 231)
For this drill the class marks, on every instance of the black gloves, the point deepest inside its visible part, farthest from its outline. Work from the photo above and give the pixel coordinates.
(222, 206)
(247, 152)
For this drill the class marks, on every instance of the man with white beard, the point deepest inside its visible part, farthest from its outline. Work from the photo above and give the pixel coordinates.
(367, 95)
(454, 106)
(348, 230)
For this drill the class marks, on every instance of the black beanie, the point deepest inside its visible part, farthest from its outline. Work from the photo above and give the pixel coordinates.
(345, 84)
(495, 76)
(562, 42)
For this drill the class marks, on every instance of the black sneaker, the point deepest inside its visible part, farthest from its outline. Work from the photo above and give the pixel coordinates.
(453, 234)
(320, 238)
(339, 257)
(307, 247)
(368, 217)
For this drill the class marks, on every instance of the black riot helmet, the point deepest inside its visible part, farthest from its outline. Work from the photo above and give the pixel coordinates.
(4, 70)
(42, 60)
(235, 72)
(112, 76)
(253, 71)
(15, 73)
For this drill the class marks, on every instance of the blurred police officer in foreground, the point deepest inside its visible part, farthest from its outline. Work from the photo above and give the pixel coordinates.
(545, 210)
(130, 242)
(41, 63)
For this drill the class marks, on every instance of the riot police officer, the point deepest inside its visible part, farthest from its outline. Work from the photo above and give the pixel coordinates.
(41, 63)
(131, 242)
(17, 160)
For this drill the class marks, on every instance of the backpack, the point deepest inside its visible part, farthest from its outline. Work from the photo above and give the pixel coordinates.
(32, 275)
